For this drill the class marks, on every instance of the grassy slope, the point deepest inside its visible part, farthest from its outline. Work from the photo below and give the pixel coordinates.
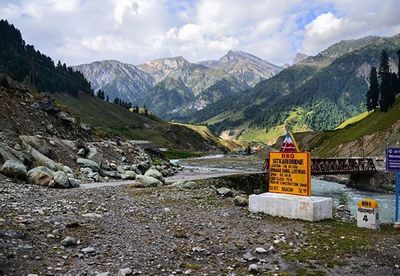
(373, 124)
(114, 119)
(295, 122)
(207, 134)
(353, 120)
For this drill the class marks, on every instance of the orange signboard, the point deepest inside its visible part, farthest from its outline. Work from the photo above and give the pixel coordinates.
(290, 173)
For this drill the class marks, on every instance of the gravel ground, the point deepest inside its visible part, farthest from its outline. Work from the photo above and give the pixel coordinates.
(164, 230)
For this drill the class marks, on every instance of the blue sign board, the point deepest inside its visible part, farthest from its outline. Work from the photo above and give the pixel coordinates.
(393, 159)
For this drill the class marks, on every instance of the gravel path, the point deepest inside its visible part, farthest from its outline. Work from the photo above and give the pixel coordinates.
(188, 174)
(164, 231)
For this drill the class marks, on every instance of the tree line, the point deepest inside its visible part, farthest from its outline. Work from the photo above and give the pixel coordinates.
(124, 104)
(384, 85)
(23, 63)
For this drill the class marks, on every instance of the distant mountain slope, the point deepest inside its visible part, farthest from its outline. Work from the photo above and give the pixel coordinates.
(167, 97)
(23, 63)
(112, 118)
(244, 66)
(117, 79)
(323, 91)
(195, 76)
(368, 136)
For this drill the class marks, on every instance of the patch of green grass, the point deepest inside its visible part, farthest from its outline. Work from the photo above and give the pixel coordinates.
(295, 122)
(353, 120)
(331, 241)
(192, 266)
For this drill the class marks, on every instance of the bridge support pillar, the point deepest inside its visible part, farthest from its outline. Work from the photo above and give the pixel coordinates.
(380, 181)
(311, 208)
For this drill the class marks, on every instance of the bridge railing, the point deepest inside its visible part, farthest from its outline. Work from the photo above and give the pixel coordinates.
(349, 165)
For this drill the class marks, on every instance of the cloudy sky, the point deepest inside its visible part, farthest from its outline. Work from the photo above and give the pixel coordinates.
(135, 31)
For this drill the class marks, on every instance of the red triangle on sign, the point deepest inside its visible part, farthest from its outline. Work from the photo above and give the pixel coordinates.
(289, 144)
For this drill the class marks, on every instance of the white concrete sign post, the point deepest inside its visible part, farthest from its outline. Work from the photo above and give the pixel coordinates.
(290, 187)
(368, 214)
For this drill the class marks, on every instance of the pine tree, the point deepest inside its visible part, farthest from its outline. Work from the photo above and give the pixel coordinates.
(107, 99)
(398, 64)
(398, 73)
(385, 86)
(373, 92)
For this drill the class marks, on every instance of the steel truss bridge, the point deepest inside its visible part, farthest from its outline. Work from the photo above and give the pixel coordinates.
(320, 166)
(350, 165)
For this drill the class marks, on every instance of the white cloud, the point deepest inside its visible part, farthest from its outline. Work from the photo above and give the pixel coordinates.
(352, 19)
(135, 31)
(123, 6)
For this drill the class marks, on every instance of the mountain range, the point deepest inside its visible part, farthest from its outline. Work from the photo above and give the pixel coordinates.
(244, 97)
(317, 93)
(174, 88)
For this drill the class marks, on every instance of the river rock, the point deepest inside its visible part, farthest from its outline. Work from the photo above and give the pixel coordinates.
(43, 160)
(124, 271)
(88, 163)
(36, 143)
(185, 185)
(14, 169)
(64, 116)
(61, 180)
(148, 181)
(88, 250)
(225, 192)
(68, 241)
(253, 269)
(261, 250)
(40, 175)
(94, 155)
(241, 201)
(155, 174)
(74, 183)
(67, 170)
(131, 175)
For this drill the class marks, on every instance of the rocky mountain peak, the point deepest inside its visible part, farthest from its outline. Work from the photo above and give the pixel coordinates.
(299, 57)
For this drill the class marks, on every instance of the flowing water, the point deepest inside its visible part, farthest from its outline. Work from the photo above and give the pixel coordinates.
(340, 193)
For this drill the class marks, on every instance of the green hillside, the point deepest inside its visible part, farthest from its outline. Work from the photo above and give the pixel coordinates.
(368, 136)
(328, 89)
(111, 118)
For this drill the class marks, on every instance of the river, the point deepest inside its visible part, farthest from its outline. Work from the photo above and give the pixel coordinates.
(339, 192)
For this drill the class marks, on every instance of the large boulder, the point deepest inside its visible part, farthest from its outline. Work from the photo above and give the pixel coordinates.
(155, 174)
(14, 169)
(74, 183)
(42, 160)
(36, 143)
(148, 181)
(94, 155)
(225, 192)
(131, 175)
(40, 175)
(241, 201)
(88, 164)
(185, 185)
(61, 180)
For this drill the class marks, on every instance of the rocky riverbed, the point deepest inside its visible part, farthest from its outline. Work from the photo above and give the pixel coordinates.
(170, 230)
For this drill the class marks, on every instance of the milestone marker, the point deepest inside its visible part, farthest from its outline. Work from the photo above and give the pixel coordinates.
(367, 214)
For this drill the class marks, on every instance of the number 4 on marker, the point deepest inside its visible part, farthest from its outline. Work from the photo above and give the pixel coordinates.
(365, 218)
